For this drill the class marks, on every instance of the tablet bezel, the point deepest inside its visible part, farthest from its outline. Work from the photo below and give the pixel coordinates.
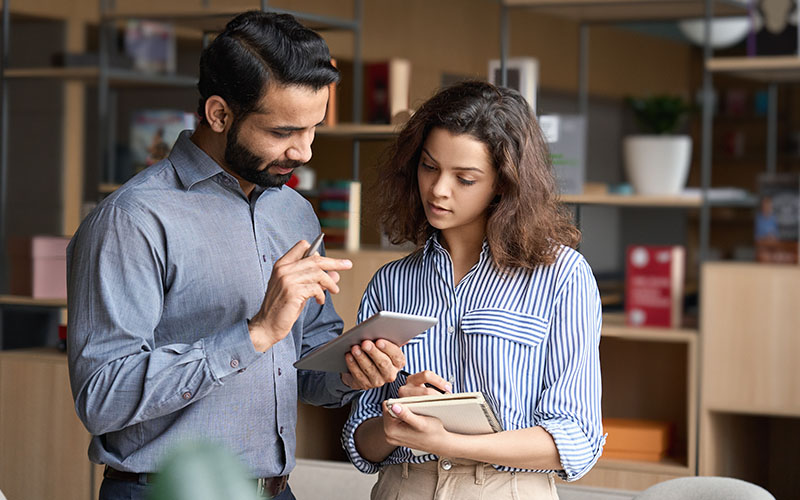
(397, 328)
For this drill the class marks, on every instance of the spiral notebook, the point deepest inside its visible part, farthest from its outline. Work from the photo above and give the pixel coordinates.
(462, 412)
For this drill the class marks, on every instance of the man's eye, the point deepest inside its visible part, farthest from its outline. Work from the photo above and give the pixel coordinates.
(280, 135)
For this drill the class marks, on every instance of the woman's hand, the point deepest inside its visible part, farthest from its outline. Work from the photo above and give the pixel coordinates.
(401, 427)
(415, 384)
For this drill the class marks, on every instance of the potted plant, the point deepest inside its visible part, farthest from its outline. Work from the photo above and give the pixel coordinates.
(657, 161)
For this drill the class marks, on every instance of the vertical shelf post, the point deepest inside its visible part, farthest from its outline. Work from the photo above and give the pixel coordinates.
(5, 40)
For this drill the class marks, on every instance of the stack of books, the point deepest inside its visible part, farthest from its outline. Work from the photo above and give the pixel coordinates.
(340, 213)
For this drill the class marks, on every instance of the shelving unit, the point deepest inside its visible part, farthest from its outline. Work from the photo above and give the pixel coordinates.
(640, 363)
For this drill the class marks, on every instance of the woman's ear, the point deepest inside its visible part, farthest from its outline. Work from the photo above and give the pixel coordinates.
(218, 114)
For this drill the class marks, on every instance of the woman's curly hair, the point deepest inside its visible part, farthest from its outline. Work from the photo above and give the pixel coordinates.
(526, 223)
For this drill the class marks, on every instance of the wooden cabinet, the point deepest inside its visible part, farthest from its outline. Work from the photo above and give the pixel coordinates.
(43, 445)
(750, 394)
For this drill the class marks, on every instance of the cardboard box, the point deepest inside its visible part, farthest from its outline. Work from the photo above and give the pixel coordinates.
(39, 266)
(635, 439)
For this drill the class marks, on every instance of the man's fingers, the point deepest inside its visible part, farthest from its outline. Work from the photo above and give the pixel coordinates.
(393, 351)
(368, 367)
(388, 371)
(295, 253)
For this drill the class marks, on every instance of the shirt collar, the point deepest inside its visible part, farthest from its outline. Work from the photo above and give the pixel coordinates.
(191, 163)
(433, 245)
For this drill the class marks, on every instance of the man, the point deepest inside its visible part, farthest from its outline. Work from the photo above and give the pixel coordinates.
(171, 333)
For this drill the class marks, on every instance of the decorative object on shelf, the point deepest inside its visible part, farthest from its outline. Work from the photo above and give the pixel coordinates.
(340, 214)
(777, 222)
(154, 132)
(725, 32)
(657, 163)
(636, 439)
(38, 266)
(522, 75)
(566, 137)
(331, 113)
(654, 278)
(775, 32)
(304, 178)
(151, 45)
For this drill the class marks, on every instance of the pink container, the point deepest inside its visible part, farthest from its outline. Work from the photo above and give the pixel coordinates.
(39, 266)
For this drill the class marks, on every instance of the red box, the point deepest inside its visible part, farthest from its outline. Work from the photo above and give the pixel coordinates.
(39, 266)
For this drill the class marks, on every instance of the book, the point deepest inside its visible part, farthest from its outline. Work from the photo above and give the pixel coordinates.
(777, 221)
(340, 214)
(566, 138)
(461, 412)
(153, 132)
(387, 86)
(151, 45)
(636, 439)
(522, 75)
(654, 285)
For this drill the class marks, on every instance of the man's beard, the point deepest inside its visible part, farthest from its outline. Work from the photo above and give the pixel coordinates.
(246, 164)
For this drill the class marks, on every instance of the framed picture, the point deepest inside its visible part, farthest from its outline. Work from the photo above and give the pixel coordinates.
(523, 76)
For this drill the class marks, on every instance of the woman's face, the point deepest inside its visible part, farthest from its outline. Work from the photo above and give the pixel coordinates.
(456, 181)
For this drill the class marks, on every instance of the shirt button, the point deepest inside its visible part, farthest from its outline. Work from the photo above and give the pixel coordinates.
(280, 431)
(279, 372)
(234, 363)
(263, 257)
(451, 329)
(446, 465)
(186, 395)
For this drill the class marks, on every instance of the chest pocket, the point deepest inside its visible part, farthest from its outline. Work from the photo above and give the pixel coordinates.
(519, 328)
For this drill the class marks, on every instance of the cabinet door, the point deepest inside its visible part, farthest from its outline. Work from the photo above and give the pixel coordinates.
(43, 445)
(750, 322)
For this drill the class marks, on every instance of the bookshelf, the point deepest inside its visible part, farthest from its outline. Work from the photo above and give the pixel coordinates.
(91, 74)
(770, 69)
(17, 300)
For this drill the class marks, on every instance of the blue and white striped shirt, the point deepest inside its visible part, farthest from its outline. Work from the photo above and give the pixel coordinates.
(527, 339)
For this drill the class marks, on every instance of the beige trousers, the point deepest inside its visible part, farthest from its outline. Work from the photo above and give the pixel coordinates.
(458, 479)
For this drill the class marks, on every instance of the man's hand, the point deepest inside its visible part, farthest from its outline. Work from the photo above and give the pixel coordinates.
(373, 364)
(294, 280)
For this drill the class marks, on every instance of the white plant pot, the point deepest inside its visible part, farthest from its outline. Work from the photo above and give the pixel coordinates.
(657, 164)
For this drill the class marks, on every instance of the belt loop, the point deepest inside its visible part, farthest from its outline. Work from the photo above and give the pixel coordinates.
(405, 470)
(479, 473)
(143, 478)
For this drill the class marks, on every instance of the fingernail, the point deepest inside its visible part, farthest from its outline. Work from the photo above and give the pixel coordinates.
(448, 387)
(367, 346)
(356, 351)
(397, 409)
(381, 344)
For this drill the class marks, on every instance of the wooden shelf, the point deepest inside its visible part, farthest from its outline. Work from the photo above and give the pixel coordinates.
(358, 131)
(17, 300)
(628, 10)
(614, 326)
(107, 188)
(214, 19)
(666, 466)
(635, 200)
(91, 74)
(760, 68)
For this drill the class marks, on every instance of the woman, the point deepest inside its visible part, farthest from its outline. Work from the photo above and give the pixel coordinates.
(469, 182)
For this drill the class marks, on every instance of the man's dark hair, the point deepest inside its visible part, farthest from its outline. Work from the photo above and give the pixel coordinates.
(259, 48)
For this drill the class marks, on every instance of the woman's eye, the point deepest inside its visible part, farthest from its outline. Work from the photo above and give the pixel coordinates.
(466, 182)
(426, 166)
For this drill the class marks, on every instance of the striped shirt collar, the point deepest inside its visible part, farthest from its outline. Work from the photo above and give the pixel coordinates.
(432, 246)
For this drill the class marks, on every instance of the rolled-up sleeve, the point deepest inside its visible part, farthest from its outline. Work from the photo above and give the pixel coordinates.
(115, 298)
(569, 408)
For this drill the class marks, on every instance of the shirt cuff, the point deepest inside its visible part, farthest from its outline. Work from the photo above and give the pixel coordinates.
(230, 351)
(349, 443)
(338, 390)
(578, 454)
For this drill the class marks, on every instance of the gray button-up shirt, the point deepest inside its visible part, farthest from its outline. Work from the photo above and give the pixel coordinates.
(162, 277)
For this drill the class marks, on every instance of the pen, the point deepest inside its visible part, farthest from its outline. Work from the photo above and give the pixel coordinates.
(314, 246)
(406, 375)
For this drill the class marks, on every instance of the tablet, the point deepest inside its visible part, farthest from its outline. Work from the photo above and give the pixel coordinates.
(395, 327)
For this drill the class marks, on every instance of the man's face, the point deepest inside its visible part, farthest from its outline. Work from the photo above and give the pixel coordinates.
(269, 143)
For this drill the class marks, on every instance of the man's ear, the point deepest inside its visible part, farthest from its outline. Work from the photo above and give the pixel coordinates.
(218, 114)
